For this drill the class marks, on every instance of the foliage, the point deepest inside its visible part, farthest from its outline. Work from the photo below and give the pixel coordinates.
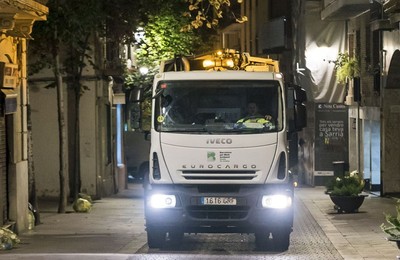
(68, 27)
(146, 114)
(350, 185)
(78, 23)
(8, 239)
(393, 223)
(123, 17)
(162, 40)
(346, 67)
(210, 12)
(133, 78)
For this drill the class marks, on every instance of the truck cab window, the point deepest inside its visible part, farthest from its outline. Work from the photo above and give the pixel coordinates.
(218, 106)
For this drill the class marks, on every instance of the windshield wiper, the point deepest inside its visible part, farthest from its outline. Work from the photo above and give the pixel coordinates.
(184, 129)
(158, 93)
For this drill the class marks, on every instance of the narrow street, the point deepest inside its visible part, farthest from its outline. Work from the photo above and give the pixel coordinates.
(114, 229)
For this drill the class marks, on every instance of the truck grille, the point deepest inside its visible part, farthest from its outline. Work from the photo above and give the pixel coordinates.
(218, 212)
(218, 175)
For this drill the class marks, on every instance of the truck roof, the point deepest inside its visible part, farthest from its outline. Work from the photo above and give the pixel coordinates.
(219, 61)
(218, 75)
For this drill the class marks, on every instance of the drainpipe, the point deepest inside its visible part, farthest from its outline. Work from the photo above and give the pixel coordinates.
(121, 169)
(24, 101)
(382, 62)
(382, 65)
(358, 138)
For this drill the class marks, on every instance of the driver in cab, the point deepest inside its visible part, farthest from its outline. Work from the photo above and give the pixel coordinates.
(253, 116)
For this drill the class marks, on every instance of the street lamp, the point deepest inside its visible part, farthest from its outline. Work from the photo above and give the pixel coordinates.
(143, 70)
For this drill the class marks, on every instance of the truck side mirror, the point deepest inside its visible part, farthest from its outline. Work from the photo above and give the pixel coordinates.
(147, 135)
(297, 97)
(300, 116)
(300, 94)
(300, 111)
(136, 95)
(134, 108)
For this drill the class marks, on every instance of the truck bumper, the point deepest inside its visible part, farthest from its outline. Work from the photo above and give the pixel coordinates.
(190, 215)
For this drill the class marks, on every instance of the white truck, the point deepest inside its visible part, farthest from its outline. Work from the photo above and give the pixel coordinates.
(214, 169)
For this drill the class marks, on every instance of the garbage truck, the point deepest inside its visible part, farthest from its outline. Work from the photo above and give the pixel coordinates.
(214, 167)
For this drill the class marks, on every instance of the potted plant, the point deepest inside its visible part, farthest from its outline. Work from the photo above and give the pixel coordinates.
(345, 192)
(392, 226)
(347, 68)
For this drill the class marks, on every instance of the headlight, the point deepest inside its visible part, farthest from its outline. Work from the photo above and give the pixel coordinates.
(160, 201)
(276, 201)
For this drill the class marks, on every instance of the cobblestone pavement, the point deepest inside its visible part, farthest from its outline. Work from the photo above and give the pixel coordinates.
(308, 242)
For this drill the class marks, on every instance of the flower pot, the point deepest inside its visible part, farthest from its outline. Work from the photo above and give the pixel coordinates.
(347, 204)
(397, 240)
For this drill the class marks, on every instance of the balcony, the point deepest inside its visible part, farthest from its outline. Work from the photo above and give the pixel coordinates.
(391, 6)
(343, 9)
(17, 17)
(392, 9)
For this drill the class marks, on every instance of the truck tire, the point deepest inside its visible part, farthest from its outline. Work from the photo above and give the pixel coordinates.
(279, 242)
(155, 238)
(143, 170)
(176, 236)
(263, 242)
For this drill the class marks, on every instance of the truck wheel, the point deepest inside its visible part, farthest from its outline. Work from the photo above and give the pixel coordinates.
(146, 183)
(143, 170)
(175, 236)
(263, 242)
(281, 241)
(155, 238)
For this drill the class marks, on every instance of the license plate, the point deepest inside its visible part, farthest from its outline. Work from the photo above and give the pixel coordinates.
(218, 201)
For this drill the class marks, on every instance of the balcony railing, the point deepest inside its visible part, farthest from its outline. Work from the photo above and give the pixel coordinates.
(343, 9)
(391, 6)
(392, 9)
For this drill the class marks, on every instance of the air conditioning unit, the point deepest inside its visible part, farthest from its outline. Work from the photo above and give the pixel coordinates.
(8, 101)
(8, 75)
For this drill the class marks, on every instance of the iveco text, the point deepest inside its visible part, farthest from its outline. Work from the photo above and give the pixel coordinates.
(219, 141)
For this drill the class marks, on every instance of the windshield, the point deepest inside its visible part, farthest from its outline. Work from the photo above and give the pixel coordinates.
(218, 106)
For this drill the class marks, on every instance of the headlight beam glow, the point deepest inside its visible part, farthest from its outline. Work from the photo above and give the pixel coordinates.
(276, 201)
(160, 201)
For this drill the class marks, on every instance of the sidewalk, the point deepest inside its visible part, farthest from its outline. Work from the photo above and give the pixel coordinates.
(116, 226)
(357, 235)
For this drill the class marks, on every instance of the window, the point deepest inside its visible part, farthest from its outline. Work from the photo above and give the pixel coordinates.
(219, 107)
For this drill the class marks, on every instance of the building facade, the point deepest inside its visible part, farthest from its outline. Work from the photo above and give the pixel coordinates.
(307, 37)
(102, 164)
(16, 21)
(372, 30)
